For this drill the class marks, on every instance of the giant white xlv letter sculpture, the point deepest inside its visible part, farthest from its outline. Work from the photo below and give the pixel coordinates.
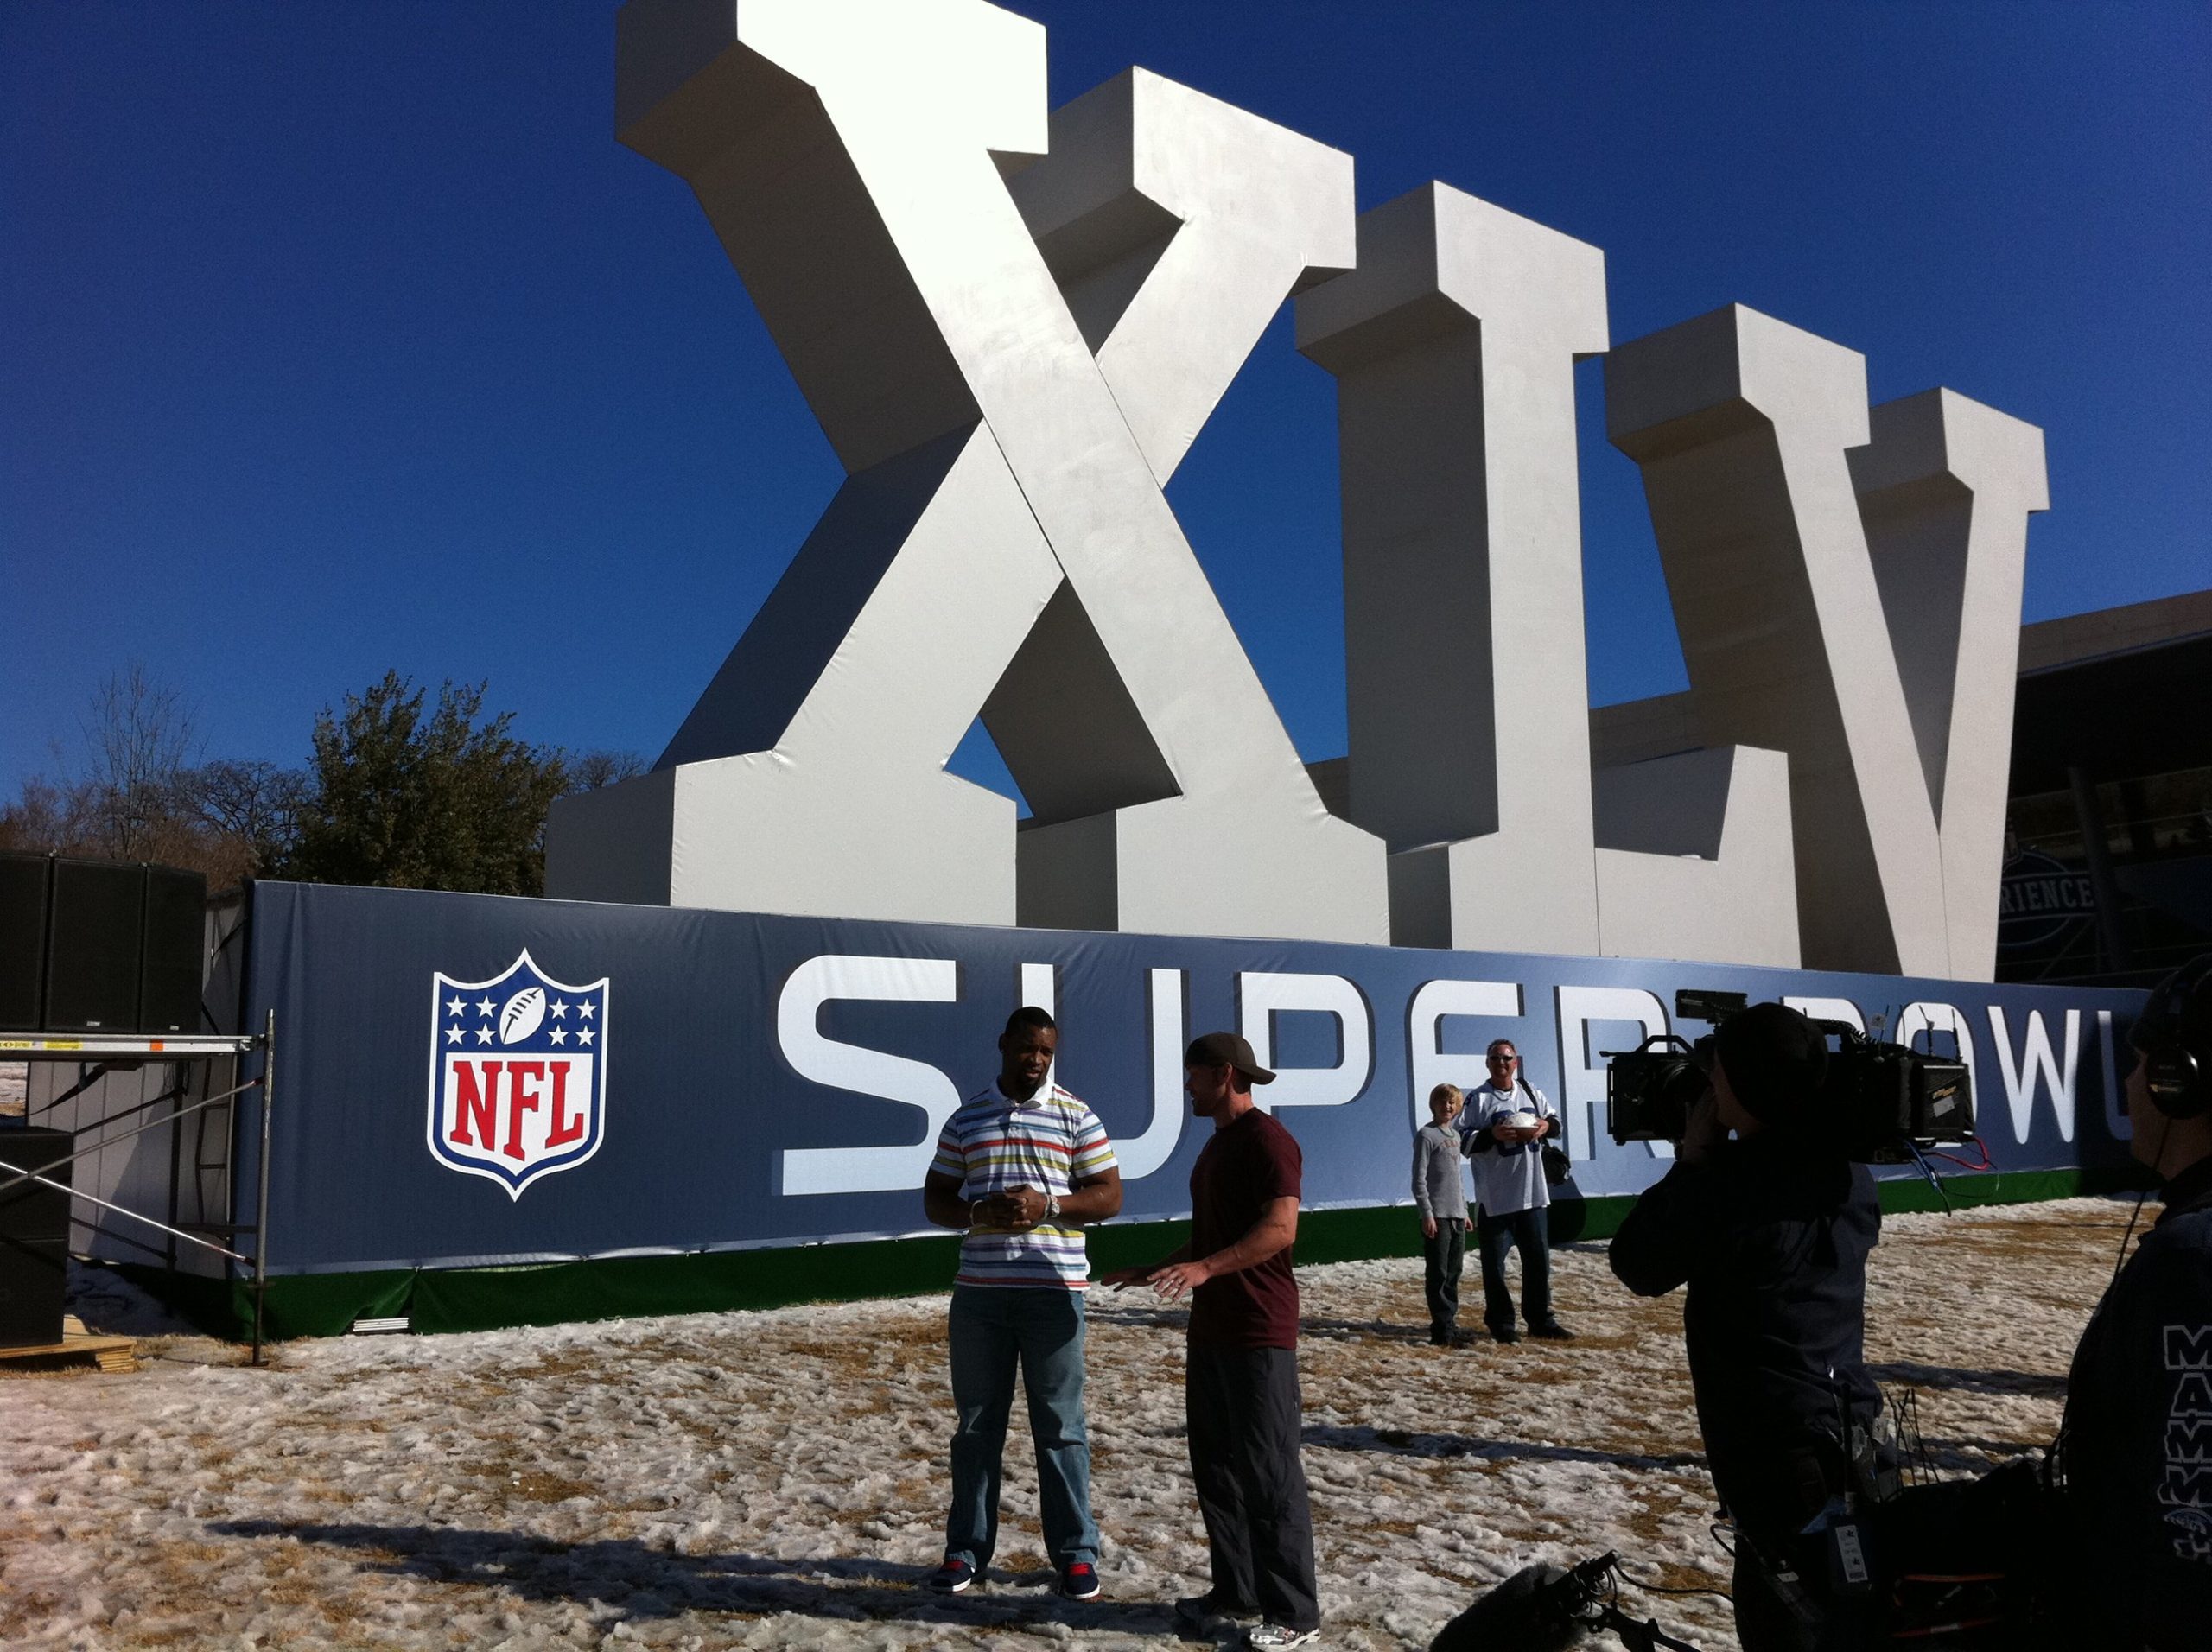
(1002, 544)
(1848, 587)
(1453, 344)
(1012, 328)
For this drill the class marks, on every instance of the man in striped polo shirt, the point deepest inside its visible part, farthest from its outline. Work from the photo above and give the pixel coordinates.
(1019, 1168)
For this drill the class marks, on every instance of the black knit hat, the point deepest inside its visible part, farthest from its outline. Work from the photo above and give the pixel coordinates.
(1775, 1060)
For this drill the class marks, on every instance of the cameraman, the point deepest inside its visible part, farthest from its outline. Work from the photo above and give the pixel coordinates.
(1771, 1232)
(2135, 1448)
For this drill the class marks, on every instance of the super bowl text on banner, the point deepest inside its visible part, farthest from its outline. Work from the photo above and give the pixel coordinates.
(781, 1078)
(517, 1074)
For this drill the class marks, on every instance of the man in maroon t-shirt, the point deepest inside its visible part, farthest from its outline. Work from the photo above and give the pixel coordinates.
(1240, 1384)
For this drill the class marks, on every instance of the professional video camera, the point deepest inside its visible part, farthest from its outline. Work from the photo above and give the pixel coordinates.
(1881, 1104)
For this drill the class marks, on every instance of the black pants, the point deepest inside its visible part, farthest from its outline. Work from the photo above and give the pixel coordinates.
(1531, 1230)
(1771, 1492)
(1765, 1620)
(1773, 1617)
(1242, 1407)
(1444, 1255)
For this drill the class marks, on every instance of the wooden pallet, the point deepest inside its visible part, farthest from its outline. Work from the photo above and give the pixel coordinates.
(112, 1354)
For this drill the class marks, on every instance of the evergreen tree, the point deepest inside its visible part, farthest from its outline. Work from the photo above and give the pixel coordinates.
(408, 800)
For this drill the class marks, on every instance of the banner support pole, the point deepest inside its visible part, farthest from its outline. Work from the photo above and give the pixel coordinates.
(261, 1211)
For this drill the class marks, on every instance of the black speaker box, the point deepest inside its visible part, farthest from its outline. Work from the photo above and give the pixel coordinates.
(24, 883)
(33, 1238)
(170, 973)
(95, 935)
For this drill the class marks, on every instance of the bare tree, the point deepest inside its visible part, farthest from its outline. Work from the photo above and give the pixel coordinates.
(255, 808)
(134, 796)
(138, 741)
(44, 818)
(589, 770)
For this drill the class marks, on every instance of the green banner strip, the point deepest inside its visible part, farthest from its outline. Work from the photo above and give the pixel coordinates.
(491, 1299)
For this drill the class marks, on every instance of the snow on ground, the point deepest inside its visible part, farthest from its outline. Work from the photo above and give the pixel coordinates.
(776, 1479)
(12, 1084)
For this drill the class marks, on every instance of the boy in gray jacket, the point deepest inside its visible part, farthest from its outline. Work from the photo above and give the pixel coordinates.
(1440, 1195)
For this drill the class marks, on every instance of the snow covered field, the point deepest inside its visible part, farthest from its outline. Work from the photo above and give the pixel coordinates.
(776, 1479)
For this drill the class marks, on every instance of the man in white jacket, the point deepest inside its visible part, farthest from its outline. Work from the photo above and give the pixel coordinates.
(1505, 1123)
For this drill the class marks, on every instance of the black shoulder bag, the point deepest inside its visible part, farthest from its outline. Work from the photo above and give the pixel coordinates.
(1557, 1166)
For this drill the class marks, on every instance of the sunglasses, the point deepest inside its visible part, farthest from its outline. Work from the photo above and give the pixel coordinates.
(1500, 1061)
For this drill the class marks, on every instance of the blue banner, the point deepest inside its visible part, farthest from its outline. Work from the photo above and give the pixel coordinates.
(465, 1080)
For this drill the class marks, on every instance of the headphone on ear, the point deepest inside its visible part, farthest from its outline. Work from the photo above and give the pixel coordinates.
(2178, 1055)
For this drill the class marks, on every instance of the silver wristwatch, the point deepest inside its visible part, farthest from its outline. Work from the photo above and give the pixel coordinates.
(1051, 1207)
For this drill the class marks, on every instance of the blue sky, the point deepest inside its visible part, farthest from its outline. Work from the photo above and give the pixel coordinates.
(335, 340)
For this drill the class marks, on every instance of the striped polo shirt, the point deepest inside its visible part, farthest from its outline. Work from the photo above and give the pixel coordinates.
(1047, 1142)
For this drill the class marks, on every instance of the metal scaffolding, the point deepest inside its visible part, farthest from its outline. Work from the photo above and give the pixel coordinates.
(101, 1054)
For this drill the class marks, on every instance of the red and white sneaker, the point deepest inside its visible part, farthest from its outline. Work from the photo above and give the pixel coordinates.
(1080, 1581)
(952, 1577)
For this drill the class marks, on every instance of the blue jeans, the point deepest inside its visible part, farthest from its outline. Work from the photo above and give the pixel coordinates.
(1531, 1231)
(992, 1329)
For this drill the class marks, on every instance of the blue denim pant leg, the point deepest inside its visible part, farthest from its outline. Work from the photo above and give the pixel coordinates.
(992, 1332)
(1052, 1332)
(1530, 1231)
(1495, 1234)
(983, 1355)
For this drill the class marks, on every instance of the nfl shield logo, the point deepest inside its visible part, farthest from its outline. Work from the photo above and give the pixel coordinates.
(517, 1074)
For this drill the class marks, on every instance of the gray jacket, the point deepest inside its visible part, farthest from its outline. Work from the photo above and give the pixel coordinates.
(1440, 1183)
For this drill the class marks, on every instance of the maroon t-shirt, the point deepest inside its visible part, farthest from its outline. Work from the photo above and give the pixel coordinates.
(1245, 1167)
